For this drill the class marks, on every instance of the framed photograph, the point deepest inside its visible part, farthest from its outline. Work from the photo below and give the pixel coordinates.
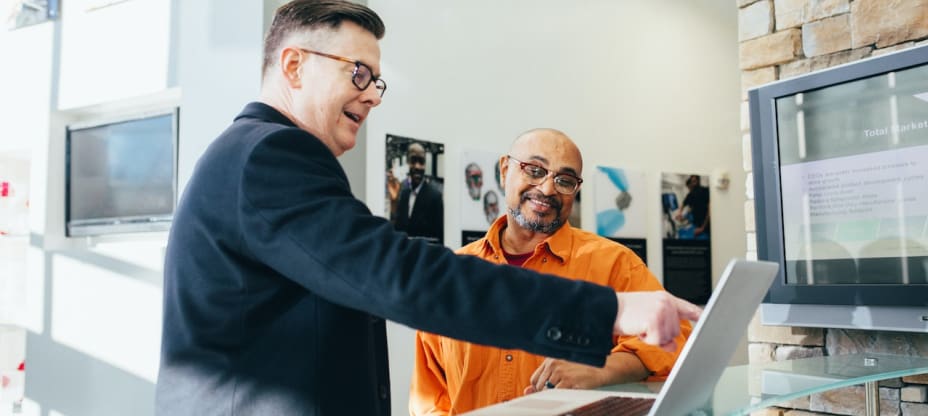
(415, 183)
(24, 13)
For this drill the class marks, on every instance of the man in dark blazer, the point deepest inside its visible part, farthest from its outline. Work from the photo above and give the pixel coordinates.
(277, 279)
(425, 217)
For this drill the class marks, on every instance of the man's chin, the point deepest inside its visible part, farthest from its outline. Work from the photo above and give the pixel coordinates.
(539, 223)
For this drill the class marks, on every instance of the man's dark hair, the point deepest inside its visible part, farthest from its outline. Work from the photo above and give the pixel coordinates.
(694, 179)
(300, 15)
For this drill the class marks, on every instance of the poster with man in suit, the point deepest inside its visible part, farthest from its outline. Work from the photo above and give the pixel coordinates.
(415, 202)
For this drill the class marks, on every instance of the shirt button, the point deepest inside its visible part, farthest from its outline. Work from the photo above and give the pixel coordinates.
(554, 333)
(544, 260)
(508, 357)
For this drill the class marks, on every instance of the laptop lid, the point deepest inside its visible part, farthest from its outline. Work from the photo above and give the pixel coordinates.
(707, 352)
(714, 338)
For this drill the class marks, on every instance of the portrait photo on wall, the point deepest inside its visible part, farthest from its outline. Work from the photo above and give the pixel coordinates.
(620, 205)
(22, 13)
(685, 205)
(687, 240)
(414, 187)
(482, 197)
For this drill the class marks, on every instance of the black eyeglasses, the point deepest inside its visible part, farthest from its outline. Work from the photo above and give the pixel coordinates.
(564, 183)
(363, 75)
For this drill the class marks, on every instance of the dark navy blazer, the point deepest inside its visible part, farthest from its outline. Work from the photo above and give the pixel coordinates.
(276, 279)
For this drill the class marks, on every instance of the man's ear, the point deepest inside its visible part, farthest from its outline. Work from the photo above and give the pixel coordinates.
(291, 66)
(503, 169)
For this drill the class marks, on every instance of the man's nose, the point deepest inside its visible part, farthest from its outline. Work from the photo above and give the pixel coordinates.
(547, 186)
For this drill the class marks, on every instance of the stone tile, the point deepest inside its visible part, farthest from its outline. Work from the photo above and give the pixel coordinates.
(747, 159)
(800, 404)
(756, 77)
(770, 411)
(919, 379)
(772, 49)
(745, 117)
(914, 409)
(917, 394)
(742, 3)
(789, 13)
(749, 186)
(750, 225)
(751, 241)
(755, 20)
(820, 9)
(826, 36)
(803, 413)
(759, 353)
(886, 23)
(849, 341)
(895, 383)
(784, 334)
(792, 352)
(894, 48)
(804, 66)
(852, 400)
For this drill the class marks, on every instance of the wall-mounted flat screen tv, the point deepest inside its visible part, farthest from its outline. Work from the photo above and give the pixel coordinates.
(121, 174)
(841, 188)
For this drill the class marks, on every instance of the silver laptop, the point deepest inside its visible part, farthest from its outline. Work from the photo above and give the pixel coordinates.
(702, 361)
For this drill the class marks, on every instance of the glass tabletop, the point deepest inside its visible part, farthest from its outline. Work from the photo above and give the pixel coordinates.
(746, 388)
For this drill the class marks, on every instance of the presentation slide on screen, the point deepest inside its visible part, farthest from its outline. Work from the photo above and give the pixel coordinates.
(871, 205)
(854, 169)
(853, 161)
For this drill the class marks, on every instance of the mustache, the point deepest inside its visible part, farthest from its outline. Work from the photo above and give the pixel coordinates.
(414, 171)
(550, 200)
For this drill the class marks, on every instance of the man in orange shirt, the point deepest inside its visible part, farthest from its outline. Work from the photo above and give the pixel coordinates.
(541, 175)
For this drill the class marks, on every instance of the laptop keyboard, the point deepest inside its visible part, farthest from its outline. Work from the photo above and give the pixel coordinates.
(630, 406)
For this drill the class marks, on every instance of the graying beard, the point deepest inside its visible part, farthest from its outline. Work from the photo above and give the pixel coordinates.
(536, 226)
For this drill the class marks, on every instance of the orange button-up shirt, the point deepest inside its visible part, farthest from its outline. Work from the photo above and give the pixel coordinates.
(452, 376)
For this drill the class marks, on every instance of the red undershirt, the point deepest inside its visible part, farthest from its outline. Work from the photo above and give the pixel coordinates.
(517, 259)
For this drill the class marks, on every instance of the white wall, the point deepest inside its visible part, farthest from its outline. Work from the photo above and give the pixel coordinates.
(93, 308)
(644, 85)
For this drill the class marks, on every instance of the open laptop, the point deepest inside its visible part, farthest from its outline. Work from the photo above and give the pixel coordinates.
(692, 379)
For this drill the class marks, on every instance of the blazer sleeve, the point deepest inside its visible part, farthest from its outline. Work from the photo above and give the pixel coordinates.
(301, 219)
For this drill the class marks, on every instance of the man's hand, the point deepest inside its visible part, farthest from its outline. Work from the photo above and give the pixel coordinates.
(393, 186)
(565, 375)
(653, 316)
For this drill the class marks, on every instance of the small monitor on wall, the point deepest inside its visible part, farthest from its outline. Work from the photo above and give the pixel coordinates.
(841, 186)
(121, 175)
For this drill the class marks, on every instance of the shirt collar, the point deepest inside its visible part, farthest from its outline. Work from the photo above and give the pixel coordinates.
(415, 191)
(558, 244)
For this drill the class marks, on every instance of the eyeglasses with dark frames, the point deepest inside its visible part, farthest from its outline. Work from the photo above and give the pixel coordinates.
(564, 183)
(363, 75)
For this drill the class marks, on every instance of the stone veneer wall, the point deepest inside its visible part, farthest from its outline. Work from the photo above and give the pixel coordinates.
(780, 39)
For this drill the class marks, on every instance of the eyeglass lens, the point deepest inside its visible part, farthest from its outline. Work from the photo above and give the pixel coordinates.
(363, 76)
(564, 184)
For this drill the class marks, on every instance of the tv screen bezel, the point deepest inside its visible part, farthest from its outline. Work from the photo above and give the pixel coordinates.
(767, 189)
(121, 225)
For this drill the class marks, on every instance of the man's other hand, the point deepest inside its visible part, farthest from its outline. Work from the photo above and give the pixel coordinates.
(565, 375)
